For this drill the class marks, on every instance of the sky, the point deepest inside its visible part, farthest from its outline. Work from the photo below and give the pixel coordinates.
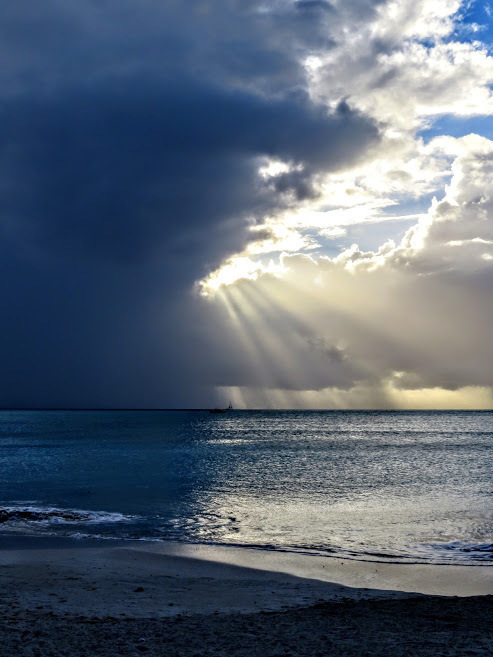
(282, 203)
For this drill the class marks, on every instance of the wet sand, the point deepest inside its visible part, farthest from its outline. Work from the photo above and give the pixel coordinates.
(101, 598)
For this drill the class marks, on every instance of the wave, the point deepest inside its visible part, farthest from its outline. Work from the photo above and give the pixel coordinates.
(26, 518)
(460, 550)
(22, 515)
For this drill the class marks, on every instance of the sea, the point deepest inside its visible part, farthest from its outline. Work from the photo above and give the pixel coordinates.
(387, 486)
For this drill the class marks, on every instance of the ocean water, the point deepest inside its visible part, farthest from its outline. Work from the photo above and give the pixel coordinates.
(385, 486)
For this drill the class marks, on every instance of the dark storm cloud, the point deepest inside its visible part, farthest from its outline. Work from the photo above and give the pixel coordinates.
(130, 138)
(128, 171)
(297, 183)
(238, 41)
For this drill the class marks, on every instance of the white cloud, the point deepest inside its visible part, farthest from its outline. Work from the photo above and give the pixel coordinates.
(399, 70)
(401, 67)
(464, 215)
(419, 19)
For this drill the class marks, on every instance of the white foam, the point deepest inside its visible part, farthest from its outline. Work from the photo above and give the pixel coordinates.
(49, 515)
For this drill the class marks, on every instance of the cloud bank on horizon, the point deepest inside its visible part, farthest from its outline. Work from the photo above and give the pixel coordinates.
(283, 203)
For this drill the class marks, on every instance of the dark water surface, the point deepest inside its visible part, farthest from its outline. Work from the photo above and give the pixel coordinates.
(394, 486)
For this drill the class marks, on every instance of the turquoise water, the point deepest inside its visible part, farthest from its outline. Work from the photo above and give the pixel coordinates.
(391, 486)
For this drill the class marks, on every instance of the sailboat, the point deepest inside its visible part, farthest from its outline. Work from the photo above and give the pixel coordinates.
(222, 410)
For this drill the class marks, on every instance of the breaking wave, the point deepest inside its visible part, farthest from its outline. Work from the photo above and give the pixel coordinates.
(13, 516)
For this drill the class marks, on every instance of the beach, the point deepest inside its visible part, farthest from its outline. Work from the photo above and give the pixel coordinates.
(69, 597)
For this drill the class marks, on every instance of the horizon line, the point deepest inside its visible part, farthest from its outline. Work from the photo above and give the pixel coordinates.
(208, 408)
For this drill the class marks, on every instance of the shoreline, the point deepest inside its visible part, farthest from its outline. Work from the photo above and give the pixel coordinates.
(61, 597)
(95, 577)
(33, 541)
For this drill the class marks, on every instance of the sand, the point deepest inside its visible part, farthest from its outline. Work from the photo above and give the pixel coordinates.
(65, 597)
